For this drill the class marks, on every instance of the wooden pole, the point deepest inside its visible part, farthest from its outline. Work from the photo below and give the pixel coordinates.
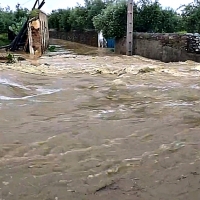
(129, 34)
(35, 4)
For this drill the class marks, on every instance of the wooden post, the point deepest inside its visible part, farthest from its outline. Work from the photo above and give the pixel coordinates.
(129, 34)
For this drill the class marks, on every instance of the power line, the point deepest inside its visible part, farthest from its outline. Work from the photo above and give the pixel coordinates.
(26, 2)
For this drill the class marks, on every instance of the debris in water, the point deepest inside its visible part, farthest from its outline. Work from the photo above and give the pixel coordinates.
(64, 182)
(104, 187)
(146, 137)
(99, 71)
(52, 48)
(93, 87)
(173, 147)
(71, 191)
(146, 70)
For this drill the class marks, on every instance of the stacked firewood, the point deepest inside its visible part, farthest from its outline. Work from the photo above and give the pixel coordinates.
(193, 43)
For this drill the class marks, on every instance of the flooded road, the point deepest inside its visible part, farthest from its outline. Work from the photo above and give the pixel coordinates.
(96, 127)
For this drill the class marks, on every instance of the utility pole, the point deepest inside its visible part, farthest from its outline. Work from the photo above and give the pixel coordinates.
(129, 34)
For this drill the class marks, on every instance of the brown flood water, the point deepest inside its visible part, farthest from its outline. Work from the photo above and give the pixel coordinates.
(92, 127)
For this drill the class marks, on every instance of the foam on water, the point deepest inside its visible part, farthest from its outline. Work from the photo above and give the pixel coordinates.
(36, 92)
(42, 92)
(47, 91)
(5, 81)
(179, 104)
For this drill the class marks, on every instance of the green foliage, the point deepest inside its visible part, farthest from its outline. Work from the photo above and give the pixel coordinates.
(191, 16)
(34, 13)
(52, 48)
(11, 19)
(171, 21)
(59, 19)
(112, 20)
(54, 20)
(20, 12)
(10, 58)
(78, 18)
(4, 39)
(149, 16)
(94, 8)
(109, 16)
(16, 27)
(6, 18)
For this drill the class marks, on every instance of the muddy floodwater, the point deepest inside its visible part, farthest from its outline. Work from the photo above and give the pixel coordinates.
(99, 126)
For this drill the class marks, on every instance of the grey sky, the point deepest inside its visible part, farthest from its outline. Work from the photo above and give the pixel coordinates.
(55, 4)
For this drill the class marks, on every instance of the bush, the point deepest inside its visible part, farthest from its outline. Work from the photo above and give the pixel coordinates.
(4, 39)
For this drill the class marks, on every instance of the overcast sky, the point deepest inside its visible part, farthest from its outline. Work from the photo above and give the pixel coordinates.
(55, 4)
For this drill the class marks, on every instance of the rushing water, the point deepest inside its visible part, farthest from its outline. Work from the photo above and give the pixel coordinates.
(75, 135)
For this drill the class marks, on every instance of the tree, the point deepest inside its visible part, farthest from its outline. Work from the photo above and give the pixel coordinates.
(112, 20)
(94, 8)
(6, 19)
(2, 26)
(78, 18)
(191, 16)
(148, 17)
(54, 20)
(20, 13)
(65, 20)
(171, 21)
(60, 19)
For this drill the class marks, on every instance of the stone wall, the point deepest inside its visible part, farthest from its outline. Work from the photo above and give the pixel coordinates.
(164, 47)
(86, 37)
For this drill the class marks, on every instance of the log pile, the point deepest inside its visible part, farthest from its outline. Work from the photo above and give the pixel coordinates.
(193, 43)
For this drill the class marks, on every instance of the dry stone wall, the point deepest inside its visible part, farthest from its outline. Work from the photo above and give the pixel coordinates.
(83, 37)
(165, 47)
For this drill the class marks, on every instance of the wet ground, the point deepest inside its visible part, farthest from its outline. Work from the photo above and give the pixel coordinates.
(99, 126)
